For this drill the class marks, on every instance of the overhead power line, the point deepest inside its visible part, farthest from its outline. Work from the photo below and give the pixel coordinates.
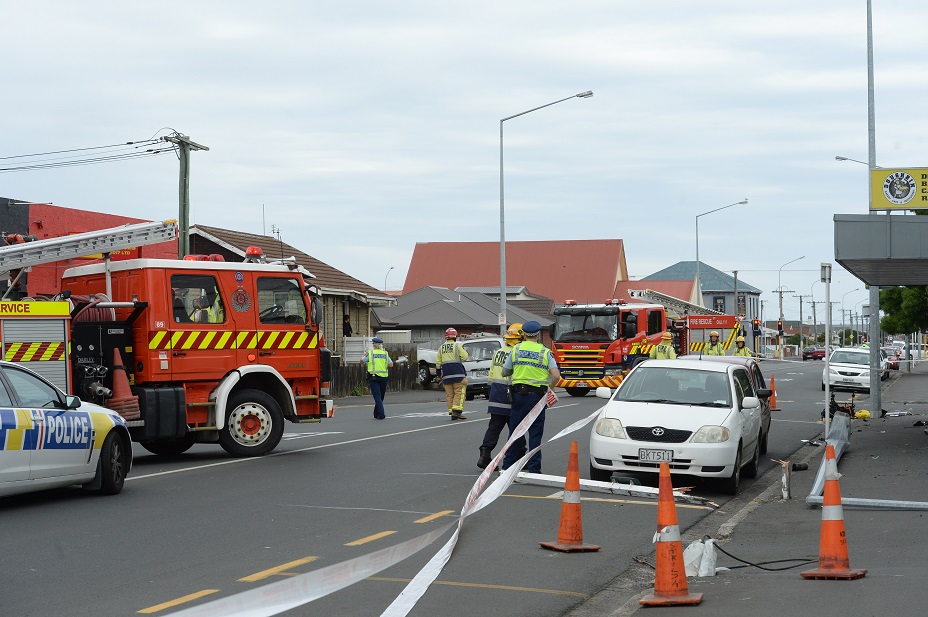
(94, 155)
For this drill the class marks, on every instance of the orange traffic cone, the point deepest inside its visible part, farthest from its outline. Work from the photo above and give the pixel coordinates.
(833, 562)
(773, 397)
(570, 531)
(123, 401)
(670, 577)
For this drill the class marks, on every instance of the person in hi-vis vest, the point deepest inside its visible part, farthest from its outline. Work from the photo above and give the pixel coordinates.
(500, 400)
(451, 357)
(713, 347)
(664, 350)
(740, 348)
(378, 362)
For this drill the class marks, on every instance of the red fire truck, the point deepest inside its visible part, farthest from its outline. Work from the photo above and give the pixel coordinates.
(594, 343)
(187, 351)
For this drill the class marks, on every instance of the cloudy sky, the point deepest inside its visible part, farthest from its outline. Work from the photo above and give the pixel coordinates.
(360, 128)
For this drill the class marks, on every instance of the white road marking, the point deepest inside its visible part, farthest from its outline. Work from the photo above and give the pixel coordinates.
(797, 421)
(291, 436)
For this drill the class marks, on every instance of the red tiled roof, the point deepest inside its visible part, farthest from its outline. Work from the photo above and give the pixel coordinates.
(583, 270)
(682, 290)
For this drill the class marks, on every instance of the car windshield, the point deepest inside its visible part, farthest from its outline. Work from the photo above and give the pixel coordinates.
(676, 386)
(850, 357)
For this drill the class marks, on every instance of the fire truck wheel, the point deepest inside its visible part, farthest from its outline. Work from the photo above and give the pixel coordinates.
(113, 464)
(577, 391)
(170, 447)
(254, 424)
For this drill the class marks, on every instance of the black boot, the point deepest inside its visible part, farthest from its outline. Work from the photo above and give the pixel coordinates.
(486, 455)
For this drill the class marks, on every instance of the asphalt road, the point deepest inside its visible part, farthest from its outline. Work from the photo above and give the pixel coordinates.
(203, 526)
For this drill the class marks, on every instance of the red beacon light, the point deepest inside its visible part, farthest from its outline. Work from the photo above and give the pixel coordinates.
(570, 302)
(196, 258)
(254, 254)
(216, 257)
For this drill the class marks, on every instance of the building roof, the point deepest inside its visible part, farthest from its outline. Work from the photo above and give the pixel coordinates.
(684, 290)
(542, 307)
(584, 270)
(710, 278)
(327, 278)
(439, 306)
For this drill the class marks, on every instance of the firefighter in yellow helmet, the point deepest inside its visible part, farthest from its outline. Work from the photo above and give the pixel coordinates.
(500, 400)
(713, 347)
(450, 360)
(740, 348)
(664, 351)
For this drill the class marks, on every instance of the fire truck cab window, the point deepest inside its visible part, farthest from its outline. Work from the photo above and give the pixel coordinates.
(280, 301)
(655, 322)
(196, 299)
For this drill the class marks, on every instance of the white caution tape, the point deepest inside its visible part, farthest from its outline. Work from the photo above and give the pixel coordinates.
(281, 596)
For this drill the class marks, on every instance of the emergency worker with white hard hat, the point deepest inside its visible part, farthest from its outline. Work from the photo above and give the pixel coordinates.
(534, 370)
(713, 347)
(499, 396)
(740, 348)
(450, 360)
(664, 350)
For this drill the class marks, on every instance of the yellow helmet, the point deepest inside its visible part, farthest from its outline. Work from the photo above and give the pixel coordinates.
(514, 332)
(714, 333)
(740, 339)
(666, 336)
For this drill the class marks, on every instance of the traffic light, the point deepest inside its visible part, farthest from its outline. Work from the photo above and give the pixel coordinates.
(780, 326)
(756, 326)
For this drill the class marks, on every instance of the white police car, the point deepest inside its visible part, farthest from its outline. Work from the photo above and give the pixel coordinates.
(49, 439)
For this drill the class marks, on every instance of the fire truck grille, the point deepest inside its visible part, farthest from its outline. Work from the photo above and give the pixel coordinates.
(581, 357)
(657, 434)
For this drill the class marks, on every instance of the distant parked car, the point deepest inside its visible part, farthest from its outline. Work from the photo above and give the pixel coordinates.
(892, 358)
(813, 353)
(849, 367)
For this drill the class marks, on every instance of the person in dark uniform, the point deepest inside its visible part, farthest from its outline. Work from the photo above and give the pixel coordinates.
(378, 362)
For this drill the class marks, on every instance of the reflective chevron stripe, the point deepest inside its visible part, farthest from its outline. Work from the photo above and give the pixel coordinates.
(211, 339)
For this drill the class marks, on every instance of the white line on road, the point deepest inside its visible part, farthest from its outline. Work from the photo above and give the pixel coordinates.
(797, 421)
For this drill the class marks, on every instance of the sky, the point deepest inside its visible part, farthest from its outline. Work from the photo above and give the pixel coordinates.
(358, 129)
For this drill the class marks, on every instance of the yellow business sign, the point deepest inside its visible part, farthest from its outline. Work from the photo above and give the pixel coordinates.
(899, 189)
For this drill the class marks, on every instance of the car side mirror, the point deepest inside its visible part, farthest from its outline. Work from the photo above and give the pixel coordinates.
(750, 402)
(71, 402)
(603, 392)
(764, 393)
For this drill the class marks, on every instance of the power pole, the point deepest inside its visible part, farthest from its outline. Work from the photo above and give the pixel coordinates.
(800, 322)
(814, 322)
(779, 338)
(184, 146)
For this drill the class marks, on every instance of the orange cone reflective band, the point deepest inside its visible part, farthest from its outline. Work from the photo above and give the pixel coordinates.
(773, 396)
(570, 531)
(833, 562)
(670, 586)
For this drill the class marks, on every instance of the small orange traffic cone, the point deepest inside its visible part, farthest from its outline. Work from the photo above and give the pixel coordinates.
(773, 397)
(123, 401)
(833, 562)
(670, 586)
(570, 531)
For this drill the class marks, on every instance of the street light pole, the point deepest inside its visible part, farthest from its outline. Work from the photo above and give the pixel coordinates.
(502, 217)
(780, 290)
(698, 282)
(385, 279)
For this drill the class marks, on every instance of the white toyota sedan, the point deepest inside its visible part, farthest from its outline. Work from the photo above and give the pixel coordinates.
(703, 418)
(849, 367)
(49, 439)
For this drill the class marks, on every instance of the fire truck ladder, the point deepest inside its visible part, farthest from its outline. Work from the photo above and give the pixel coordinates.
(676, 305)
(19, 256)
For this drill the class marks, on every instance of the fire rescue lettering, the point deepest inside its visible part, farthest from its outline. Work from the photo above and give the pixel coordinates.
(12, 308)
(201, 339)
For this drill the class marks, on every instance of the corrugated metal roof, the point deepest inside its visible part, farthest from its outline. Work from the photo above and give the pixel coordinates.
(584, 270)
(327, 277)
(711, 279)
(439, 306)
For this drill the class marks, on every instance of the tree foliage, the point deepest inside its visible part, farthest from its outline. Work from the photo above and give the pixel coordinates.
(905, 309)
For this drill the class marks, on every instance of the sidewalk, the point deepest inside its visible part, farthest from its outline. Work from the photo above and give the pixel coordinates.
(887, 459)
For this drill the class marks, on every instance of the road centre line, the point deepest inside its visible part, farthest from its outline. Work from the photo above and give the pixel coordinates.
(365, 540)
(797, 421)
(484, 586)
(237, 461)
(257, 576)
(182, 600)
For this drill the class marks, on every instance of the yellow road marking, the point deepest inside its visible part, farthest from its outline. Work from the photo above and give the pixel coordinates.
(257, 576)
(484, 586)
(606, 500)
(376, 536)
(181, 600)
(432, 517)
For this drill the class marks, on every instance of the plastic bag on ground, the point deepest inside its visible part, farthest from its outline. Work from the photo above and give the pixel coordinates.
(709, 557)
(692, 557)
